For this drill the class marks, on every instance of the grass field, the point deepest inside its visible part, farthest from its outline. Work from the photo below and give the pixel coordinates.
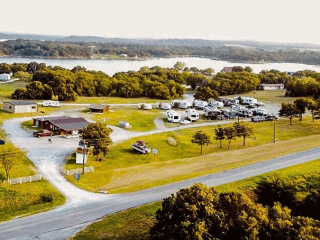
(135, 223)
(7, 88)
(116, 100)
(124, 170)
(139, 120)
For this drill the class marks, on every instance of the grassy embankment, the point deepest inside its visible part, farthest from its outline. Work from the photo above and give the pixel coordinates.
(124, 170)
(135, 223)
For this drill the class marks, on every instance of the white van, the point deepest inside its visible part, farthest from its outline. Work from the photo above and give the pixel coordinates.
(192, 115)
(173, 116)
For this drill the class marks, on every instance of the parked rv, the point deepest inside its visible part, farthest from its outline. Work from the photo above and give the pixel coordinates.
(247, 100)
(244, 112)
(192, 115)
(173, 116)
(215, 104)
(207, 110)
(215, 114)
(164, 106)
(175, 101)
(258, 112)
(185, 104)
(229, 114)
(198, 104)
(145, 106)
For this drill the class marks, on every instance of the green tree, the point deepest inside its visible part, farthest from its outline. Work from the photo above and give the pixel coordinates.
(201, 139)
(312, 106)
(219, 134)
(24, 76)
(301, 104)
(180, 66)
(243, 130)
(230, 134)
(98, 136)
(288, 110)
(205, 93)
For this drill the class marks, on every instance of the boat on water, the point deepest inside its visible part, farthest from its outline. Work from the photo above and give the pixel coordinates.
(141, 147)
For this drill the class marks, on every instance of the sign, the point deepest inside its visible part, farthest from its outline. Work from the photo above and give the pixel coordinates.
(155, 151)
(77, 176)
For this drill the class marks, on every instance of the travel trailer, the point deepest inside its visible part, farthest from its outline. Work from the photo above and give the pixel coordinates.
(258, 112)
(173, 116)
(198, 104)
(215, 104)
(145, 106)
(185, 104)
(247, 100)
(192, 115)
(164, 106)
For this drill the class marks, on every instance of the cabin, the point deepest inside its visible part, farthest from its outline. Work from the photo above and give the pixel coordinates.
(98, 108)
(20, 106)
(62, 125)
(4, 77)
(227, 69)
(265, 86)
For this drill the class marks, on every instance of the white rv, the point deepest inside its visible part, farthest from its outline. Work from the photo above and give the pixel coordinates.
(145, 106)
(185, 104)
(164, 106)
(173, 116)
(50, 103)
(215, 104)
(198, 104)
(258, 111)
(192, 115)
(247, 100)
(174, 101)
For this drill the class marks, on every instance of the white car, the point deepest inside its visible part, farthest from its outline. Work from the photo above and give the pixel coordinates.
(185, 122)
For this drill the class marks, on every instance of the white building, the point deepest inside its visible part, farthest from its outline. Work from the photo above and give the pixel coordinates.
(4, 77)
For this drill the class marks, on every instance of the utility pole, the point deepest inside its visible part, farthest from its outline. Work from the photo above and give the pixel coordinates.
(274, 132)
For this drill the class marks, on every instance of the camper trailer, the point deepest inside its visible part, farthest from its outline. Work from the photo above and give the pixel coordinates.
(164, 106)
(229, 114)
(247, 100)
(244, 112)
(198, 104)
(192, 115)
(258, 112)
(215, 104)
(145, 106)
(173, 116)
(185, 104)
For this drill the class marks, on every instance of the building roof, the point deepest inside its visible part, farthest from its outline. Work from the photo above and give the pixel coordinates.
(227, 69)
(52, 118)
(21, 103)
(5, 74)
(97, 106)
(271, 84)
(71, 123)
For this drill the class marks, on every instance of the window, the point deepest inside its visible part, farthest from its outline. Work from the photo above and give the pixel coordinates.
(33, 107)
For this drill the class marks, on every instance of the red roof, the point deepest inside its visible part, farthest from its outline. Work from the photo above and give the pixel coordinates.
(227, 69)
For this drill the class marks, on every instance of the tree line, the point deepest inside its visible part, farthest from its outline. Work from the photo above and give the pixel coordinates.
(238, 130)
(276, 208)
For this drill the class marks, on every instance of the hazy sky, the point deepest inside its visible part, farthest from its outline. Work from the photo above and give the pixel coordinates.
(262, 20)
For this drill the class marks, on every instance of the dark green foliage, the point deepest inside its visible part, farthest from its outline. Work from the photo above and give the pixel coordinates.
(274, 77)
(201, 139)
(205, 93)
(219, 134)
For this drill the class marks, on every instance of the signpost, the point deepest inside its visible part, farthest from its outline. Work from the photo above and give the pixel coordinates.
(77, 176)
(155, 152)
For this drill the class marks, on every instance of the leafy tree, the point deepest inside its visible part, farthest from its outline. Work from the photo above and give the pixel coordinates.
(288, 110)
(98, 136)
(243, 130)
(207, 71)
(24, 76)
(237, 69)
(7, 163)
(248, 69)
(201, 139)
(180, 65)
(219, 134)
(312, 106)
(205, 93)
(230, 134)
(301, 104)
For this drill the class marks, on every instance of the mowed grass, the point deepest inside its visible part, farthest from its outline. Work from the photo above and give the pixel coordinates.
(116, 100)
(124, 170)
(139, 120)
(6, 89)
(274, 97)
(135, 223)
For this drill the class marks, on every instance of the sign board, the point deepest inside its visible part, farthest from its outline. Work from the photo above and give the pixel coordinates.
(77, 176)
(155, 151)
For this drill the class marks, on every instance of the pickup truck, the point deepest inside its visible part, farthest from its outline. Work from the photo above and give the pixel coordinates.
(42, 133)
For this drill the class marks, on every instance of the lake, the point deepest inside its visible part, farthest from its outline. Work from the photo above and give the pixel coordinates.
(113, 66)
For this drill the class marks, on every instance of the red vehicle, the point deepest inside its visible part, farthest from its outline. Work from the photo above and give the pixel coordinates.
(43, 133)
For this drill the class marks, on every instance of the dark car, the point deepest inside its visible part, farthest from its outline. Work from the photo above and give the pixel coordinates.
(2, 142)
(270, 118)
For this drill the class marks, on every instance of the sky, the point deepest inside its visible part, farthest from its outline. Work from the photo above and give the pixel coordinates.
(260, 20)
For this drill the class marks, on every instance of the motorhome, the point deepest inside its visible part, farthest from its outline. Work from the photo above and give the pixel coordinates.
(244, 112)
(173, 116)
(185, 104)
(215, 104)
(50, 103)
(247, 100)
(207, 110)
(228, 101)
(192, 114)
(198, 104)
(229, 114)
(145, 106)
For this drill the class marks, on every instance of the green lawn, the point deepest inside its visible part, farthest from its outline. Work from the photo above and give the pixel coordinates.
(139, 120)
(135, 223)
(7, 88)
(124, 170)
(116, 100)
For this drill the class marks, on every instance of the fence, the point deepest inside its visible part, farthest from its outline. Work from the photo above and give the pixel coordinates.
(76, 170)
(28, 179)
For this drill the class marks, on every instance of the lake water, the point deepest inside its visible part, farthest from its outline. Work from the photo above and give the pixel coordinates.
(112, 66)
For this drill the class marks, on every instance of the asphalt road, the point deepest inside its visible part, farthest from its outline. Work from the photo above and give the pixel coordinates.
(65, 221)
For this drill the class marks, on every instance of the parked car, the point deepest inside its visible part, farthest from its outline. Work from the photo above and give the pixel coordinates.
(257, 119)
(2, 142)
(270, 118)
(185, 122)
(43, 133)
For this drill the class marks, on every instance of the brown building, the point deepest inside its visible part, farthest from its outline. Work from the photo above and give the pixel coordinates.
(227, 69)
(62, 125)
(98, 108)
(20, 106)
